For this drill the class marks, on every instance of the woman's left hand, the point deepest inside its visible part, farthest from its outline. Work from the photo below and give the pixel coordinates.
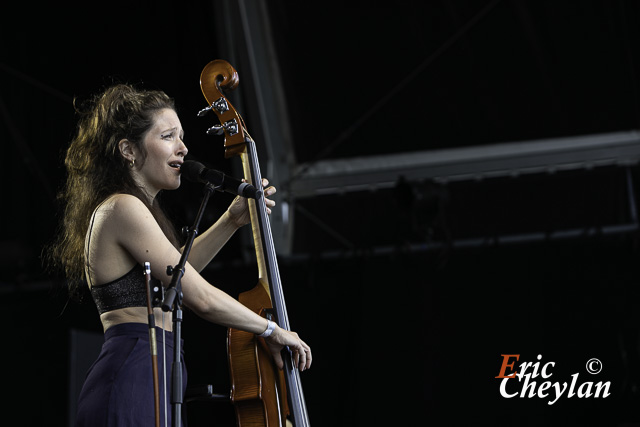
(239, 209)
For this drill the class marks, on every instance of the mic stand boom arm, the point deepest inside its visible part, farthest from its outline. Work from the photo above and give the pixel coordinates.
(173, 300)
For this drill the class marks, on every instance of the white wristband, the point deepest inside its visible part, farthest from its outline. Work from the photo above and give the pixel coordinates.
(271, 326)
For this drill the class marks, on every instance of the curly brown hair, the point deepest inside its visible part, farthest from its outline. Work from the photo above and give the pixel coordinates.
(97, 170)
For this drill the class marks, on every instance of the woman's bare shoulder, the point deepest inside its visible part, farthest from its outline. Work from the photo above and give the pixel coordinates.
(121, 202)
(122, 207)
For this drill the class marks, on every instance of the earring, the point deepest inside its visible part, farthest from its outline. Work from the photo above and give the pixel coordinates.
(133, 162)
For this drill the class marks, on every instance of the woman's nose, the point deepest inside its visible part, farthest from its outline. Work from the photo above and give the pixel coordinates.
(182, 149)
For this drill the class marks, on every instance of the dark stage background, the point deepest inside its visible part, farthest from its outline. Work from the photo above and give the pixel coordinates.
(408, 294)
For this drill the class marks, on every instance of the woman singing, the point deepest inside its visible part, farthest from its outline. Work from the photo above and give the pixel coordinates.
(128, 148)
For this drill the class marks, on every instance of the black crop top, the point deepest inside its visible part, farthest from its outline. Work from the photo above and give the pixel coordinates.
(127, 291)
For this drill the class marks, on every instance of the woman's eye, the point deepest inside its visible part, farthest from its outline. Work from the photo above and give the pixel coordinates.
(167, 136)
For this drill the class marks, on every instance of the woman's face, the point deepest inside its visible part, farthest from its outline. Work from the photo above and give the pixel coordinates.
(165, 154)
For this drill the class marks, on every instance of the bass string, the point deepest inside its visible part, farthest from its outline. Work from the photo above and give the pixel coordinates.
(295, 386)
(267, 240)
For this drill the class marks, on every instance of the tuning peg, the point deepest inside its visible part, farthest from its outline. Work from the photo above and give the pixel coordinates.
(220, 105)
(215, 130)
(204, 111)
(231, 126)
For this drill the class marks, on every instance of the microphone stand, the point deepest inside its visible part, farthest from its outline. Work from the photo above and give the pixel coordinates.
(173, 300)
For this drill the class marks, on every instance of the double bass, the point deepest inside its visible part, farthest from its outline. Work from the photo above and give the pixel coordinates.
(262, 394)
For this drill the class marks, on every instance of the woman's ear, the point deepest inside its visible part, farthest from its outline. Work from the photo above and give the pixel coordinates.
(127, 151)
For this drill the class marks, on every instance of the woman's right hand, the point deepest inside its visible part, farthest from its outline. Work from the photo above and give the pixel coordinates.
(300, 350)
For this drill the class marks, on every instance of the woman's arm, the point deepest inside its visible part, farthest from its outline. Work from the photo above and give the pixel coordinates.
(207, 245)
(136, 231)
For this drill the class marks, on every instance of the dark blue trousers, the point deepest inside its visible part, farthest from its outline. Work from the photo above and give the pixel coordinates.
(118, 390)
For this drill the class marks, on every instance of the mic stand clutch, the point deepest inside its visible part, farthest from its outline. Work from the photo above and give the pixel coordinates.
(173, 300)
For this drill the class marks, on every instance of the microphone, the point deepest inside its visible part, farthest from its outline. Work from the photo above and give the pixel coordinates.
(197, 172)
